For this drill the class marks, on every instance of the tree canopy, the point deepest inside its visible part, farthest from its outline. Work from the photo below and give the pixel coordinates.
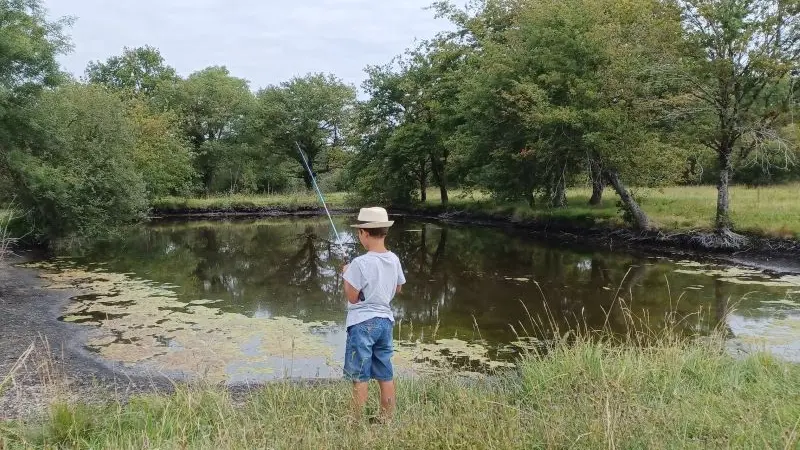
(520, 99)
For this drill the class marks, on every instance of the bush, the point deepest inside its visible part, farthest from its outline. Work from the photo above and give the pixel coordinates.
(75, 174)
(162, 154)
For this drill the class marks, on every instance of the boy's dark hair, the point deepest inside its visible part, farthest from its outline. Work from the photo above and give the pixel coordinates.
(377, 232)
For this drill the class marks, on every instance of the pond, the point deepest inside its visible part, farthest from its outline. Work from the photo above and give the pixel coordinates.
(253, 300)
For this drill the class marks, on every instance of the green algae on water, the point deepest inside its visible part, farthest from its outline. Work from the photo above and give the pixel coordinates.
(140, 323)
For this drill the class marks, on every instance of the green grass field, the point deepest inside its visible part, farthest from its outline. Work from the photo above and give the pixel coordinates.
(769, 211)
(238, 202)
(673, 394)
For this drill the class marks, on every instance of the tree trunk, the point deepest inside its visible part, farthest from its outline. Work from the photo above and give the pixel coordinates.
(723, 222)
(598, 183)
(560, 194)
(423, 181)
(531, 198)
(440, 176)
(637, 215)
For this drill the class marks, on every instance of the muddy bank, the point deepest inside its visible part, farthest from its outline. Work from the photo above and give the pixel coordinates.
(44, 359)
(777, 255)
(58, 365)
(780, 255)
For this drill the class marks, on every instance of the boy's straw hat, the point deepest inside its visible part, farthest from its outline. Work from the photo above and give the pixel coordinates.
(373, 218)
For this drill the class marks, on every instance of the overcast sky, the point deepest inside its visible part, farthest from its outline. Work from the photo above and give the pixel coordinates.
(263, 41)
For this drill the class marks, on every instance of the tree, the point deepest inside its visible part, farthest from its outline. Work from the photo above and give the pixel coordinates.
(380, 173)
(29, 45)
(161, 152)
(75, 172)
(567, 86)
(738, 63)
(410, 120)
(433, 77)
(212, 106)
(313, 112)
(138, 71)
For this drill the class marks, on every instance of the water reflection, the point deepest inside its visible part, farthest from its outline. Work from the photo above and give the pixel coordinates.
(468, 283)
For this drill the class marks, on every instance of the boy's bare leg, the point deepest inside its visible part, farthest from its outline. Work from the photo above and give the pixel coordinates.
(387, 399)
(360, 396)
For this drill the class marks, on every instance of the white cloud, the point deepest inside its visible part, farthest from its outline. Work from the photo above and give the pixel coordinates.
(265, 42)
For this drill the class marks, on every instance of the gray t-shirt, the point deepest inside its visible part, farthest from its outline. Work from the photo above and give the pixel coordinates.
(376, 276)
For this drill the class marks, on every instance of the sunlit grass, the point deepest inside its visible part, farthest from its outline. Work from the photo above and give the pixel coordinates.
(771, 211)
(590, 394)
(239, 202)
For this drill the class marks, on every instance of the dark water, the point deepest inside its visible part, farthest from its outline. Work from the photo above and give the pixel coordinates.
(473, 284)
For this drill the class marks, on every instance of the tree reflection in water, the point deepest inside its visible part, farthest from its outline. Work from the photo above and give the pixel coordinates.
(458, 276)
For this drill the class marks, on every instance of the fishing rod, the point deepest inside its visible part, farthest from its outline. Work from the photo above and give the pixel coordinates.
(316, 187)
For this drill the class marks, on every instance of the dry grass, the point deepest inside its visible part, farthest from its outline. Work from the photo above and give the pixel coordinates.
(647, 389)
(8, 237)
(239, 202)
(772, 211)
(584, 395)
(769, 211)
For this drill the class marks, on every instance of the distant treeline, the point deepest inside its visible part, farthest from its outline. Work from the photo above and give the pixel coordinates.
(522, 99)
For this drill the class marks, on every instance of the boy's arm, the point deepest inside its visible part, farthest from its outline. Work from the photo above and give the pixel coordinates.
(401, 278)
(350, 292)
(352, 276)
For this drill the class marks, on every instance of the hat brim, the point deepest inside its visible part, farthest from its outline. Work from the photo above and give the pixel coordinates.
(374, 224)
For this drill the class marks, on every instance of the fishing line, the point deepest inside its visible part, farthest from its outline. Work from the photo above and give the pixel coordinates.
(316, 187)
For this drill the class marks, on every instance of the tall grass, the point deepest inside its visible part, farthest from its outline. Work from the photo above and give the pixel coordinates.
(241, 202)
(586, 395)
(7, 236)
(655, 389)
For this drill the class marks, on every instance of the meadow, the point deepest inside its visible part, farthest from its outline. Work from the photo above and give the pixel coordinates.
(772, 211)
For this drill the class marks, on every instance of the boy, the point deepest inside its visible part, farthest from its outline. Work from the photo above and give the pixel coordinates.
(370, 283)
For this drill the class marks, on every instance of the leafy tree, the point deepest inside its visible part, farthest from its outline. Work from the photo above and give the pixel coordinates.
(313, 112)
(212, 105)
(738, 62)
(75, 174)
(432, 81)
(569, 83)
(161, 153)
(407, 127)
(29, 44)
(138, 71)
(378, 173)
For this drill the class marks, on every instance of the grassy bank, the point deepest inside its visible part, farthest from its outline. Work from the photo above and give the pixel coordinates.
(249, 202)
(772, 211)
(673, 395)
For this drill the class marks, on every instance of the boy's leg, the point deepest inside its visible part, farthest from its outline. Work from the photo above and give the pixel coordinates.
(360, 396)
(382, 369)
(387, 398)
(357, 364)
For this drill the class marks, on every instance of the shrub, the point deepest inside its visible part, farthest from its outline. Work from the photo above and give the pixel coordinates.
(75, 174)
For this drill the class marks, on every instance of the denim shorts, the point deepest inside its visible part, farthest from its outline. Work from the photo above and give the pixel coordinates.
(368, 354)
